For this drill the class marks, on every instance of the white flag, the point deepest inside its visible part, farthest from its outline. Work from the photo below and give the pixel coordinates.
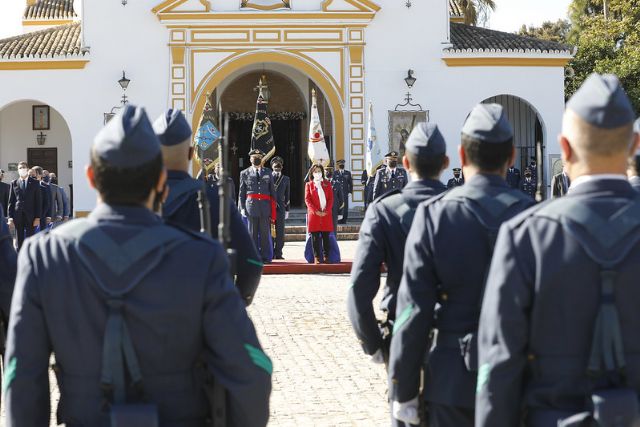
(317, 149)
(374, 155)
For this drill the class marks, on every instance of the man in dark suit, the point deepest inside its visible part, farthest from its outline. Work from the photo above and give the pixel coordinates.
(45, 192)
(513, 177)
(560, 184)
(4, 193)
(258, 202)
(558, 335)
(346, 180)
(283, 202)
(25, 204)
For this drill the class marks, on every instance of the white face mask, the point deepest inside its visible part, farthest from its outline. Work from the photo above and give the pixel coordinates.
(317, 176)
(23, 172)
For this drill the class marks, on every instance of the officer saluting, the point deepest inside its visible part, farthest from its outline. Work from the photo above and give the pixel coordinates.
(346, 180)
(391, 178)
(460, 225)
(283, 201)
(383, 234)
(457, 180)
(258, 202)
(130, 306)
(559, 325)
(181, 206)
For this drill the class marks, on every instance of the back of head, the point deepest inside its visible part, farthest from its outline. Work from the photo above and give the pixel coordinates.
(487, 138)
(426, 151)
(126, 158)
(598, 121)
(174, 134)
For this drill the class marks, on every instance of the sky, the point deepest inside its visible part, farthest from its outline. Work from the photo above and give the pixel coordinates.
(509, 15)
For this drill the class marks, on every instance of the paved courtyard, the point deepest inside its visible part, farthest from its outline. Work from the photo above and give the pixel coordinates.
(321, 377)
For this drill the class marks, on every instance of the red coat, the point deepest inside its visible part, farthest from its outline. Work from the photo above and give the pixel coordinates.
(311, 198)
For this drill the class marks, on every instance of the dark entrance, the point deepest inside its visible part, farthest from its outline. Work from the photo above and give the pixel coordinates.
(46, 158)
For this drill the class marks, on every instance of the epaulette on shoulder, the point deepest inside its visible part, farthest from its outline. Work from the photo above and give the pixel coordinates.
(190, 232)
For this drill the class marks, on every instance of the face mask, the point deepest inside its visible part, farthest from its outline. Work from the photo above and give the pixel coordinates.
(393, 164)
(341, 166)
(45, 178)
(533, 163)
(317, 176)
(23, 172)
(277, 169)
(528, 175)
(329, 174)
(457, 175)
(256, 161)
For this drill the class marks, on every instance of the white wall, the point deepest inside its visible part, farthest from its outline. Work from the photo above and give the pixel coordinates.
(16, 135)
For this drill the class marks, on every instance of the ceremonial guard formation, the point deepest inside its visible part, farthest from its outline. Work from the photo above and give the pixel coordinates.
(283, 204)
(558, 332)
(258, 203)
(457, 179)
(338, 197)
(134, 342)
(181, 207)
(346, 180)
(513, 177)
(461, 224)
(390, 178)
(382, 239)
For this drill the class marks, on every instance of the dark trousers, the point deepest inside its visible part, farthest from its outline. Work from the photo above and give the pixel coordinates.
(450, 416)
(24, 227)
(260, 228)
(345, 209)
(278, 242)
(321, 244)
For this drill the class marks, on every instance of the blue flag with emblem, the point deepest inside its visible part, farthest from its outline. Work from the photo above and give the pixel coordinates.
(206, 137)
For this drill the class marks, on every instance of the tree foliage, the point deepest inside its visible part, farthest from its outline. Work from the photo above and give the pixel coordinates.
(552, 31)
(476, 11)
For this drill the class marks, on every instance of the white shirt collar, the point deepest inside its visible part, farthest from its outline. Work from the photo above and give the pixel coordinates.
(597, 177)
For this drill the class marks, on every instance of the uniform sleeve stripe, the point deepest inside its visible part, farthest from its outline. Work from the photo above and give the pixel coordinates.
(259, 358)
(254, 262)
(9, 374)
(402, 319)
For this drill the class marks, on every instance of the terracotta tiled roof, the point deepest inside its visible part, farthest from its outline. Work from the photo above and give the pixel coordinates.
(454, 8)
(50, 9)
(466, 38)
(63, 40)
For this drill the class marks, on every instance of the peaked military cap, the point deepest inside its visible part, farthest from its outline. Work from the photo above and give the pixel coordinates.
(340, 162)
(256, 152)
(457, 169)
(488, 123)
(391, 155)
(128, 140)
(602, 102)
(426, 140)
(277, 159)
(172, 128)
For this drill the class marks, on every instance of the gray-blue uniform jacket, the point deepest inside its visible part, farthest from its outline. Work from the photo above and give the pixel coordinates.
(181, 208)
(382, 238)
(8, 263)
(338, 200)
(447, 255)
(541, 303)
(182, 308)
(251, 184)
(386, 181)
(345, 178)
(283, 198)
(529, 187)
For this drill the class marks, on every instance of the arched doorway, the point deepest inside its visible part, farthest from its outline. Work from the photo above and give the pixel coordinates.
(37, 133)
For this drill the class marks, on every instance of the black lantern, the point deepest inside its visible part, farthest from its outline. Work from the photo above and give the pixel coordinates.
(124, 82)
(41, 138)
(410, 80)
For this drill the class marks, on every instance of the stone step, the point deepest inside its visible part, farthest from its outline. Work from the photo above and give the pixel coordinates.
(302, 237)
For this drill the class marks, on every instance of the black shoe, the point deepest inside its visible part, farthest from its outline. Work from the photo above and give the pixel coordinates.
(278, 257)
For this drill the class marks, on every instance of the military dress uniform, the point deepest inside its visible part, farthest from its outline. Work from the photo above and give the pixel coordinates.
(258, 200)
(121, 282)
(389, 179)
(282, 186)
(456, 181)
(338, 197)
(382, 239)
(513, 177)
(458, 225)
(529, 187)
(559, 325)
(181, 207)
(347, 188)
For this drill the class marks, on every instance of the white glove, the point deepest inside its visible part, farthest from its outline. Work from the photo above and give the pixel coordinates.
(340, 217)
(286, 215)
(243, 213)
(406, 412)
(377, 357)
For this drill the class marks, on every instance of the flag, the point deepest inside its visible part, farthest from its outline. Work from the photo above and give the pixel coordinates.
(261, 134)
(206, 138)
(317, 148)
(374, 155)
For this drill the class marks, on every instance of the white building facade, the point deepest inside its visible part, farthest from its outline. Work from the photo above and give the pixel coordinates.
(350, 51)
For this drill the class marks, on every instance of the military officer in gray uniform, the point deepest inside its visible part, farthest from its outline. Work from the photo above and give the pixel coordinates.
(528, 185)
(382, 238)
(283, 201)
(558, 342)
(181, 206)
(135, 311)
(258, 202)
(460, 224)
(345, 178)
(391, 178)
(457, 179)
(338, 197)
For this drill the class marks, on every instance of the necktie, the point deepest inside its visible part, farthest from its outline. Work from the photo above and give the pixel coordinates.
(24, 184)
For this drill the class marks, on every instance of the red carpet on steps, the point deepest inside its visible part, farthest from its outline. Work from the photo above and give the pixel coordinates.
(301, 266)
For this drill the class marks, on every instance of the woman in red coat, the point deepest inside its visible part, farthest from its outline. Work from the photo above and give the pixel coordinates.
(318, 195)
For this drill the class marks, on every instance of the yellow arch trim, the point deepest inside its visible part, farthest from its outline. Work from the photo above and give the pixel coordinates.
(212, 81)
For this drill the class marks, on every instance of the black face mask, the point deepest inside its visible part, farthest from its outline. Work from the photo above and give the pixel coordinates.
(528, 175)
(456, 175)
(278, 170)
(533, 164)
(256, 161)
(393, 164)
(341, 166)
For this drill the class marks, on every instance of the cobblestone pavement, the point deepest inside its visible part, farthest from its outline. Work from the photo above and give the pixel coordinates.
(321, 377)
